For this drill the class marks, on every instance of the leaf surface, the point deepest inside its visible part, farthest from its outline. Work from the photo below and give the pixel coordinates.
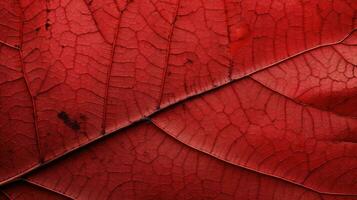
(266, 88)
(143, 162)
(28, 191)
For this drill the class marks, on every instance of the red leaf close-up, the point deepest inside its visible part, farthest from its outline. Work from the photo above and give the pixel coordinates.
(178, 99)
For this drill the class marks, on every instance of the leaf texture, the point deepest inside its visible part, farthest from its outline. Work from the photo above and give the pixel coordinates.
(26, 191)
(223, 99)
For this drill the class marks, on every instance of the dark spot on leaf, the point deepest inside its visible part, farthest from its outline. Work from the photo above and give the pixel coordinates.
(38, 29)
(71, 123)
(47, 25)
(168, 73)
(189, 61)
(75, 125)
(63, 115)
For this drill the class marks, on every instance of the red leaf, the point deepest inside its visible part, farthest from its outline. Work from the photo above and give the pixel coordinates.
(145, 163)
(264, 91)
(265, 132)
(27, 191)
